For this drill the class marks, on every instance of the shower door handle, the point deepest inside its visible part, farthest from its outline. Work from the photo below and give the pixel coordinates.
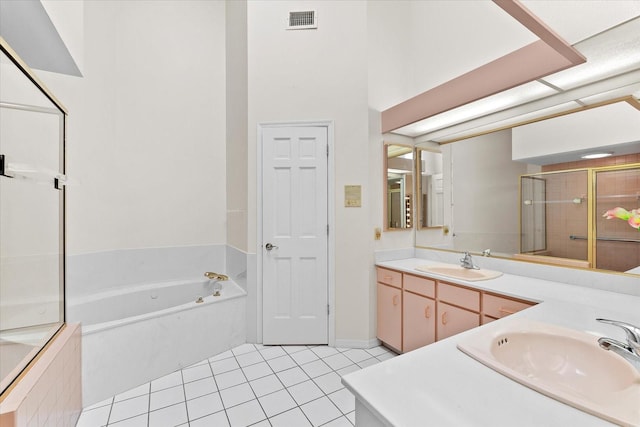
(270, 247)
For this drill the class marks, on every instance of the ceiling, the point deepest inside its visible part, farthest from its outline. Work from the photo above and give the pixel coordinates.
(28, 29)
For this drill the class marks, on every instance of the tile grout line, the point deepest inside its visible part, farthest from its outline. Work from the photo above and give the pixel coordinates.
(262, 359)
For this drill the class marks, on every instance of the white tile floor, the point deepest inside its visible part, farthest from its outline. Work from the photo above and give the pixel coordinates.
(250, 385)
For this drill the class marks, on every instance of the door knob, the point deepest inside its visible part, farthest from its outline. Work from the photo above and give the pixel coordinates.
(269, 246)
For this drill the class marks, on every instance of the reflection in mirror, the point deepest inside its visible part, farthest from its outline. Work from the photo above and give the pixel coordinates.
(430, 187)
(617, 218)
(554, 217)
(398, 187)
(558, 216)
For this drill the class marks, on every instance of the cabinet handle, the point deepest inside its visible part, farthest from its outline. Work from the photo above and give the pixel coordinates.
(444, 318)
(387, 278)
(427, 311)
(506, 311)
(395, 300)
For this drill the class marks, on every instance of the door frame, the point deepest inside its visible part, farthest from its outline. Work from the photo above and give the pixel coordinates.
(329, 125)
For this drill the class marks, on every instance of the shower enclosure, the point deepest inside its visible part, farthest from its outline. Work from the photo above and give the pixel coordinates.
(32, 133)
(563, 215)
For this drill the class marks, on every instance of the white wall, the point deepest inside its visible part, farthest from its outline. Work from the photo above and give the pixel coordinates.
(407, 38)
(320, 75)
(237, 126)
(68, 18)
(596, 128)
(146, 131)
(485, 194)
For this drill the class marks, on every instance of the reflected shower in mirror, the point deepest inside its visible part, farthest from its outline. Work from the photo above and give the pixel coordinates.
(617, 219)
(398, 187)
(430, 188)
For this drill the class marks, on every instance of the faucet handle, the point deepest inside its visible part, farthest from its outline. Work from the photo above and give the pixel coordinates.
(632, 331)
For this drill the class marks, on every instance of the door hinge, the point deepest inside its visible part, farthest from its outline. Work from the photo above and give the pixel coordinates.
(327, 151)
(327, 229)
(327, 308)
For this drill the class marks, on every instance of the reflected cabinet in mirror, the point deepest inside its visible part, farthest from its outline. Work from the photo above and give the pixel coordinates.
(398, 186)
(430, 188)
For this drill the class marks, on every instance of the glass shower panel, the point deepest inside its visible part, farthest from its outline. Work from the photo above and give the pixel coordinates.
(554, 215)
(617, 235)
(533, 220)
(31, 221)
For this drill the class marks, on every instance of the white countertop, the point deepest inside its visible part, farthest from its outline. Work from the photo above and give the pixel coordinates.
(439, 385)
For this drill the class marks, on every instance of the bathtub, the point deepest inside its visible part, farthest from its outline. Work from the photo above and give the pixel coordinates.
(133, 335)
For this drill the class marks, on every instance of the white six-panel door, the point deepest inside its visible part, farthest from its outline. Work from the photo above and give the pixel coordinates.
(294, 235)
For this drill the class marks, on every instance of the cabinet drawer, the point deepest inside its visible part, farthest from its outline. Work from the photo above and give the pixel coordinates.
(462, 297)
(389, 277)
(498, 307)
(419, 285)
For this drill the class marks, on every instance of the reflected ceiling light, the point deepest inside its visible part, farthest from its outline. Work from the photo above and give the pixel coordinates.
(596, 155)
(398, 171)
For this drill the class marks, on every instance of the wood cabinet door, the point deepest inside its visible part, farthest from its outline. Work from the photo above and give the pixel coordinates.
(390, 316)
(453, 320)
(418, 321)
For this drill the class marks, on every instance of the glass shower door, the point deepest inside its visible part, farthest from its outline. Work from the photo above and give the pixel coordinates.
(31, 220)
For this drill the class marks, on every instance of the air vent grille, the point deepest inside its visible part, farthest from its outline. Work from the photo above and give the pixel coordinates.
(302, 20)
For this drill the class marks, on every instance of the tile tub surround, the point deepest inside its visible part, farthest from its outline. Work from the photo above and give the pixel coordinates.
(251, 384)
(95, 272)
(49, 393)
(467, 392)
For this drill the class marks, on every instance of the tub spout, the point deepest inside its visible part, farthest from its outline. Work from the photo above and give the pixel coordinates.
(215, 276)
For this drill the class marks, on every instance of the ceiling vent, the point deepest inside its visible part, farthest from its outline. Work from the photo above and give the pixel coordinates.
(305, 20)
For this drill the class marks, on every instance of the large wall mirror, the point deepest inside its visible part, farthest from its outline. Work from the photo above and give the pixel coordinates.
(398, 185)
(518, 194)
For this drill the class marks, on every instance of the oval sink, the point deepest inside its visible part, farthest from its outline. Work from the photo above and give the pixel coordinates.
(457, 272)
(562, 363)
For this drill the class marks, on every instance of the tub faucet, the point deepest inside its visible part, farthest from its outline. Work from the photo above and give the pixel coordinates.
(629, 350)
(215, 276)
(467, 262)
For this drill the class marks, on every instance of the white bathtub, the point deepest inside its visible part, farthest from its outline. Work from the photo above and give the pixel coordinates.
(135, 334)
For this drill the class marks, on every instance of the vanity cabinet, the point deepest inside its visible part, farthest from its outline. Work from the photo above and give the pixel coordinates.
(389, 308)
(458, 309)
(418, 312)
(498, 306)
(414, 311)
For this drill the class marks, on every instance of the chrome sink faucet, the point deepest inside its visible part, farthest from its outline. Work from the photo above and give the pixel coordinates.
(467, 262)
(629, 350)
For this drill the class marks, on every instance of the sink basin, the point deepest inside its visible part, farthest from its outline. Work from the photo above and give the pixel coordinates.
(457, 272)
(564, 364)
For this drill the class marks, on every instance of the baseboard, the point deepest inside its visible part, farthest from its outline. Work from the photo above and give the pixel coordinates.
(374, 342)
